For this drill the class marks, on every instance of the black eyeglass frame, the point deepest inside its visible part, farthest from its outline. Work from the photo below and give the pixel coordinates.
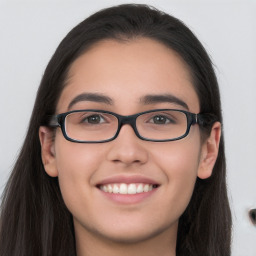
(201, 119)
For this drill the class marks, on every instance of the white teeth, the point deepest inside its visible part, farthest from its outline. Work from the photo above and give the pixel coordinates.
(126, 188)
(115, 189)
(146, 188)
(110, 190)
(123, 189)
(132, 189)
(140, 188)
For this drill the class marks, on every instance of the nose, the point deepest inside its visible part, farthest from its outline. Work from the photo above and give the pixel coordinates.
(127, 148)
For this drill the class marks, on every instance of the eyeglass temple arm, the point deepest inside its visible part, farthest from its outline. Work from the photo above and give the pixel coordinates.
(206, 119)
(53, 121)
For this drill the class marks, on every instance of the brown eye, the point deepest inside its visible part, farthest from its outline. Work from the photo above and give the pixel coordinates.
(94, 119)
(161, 119)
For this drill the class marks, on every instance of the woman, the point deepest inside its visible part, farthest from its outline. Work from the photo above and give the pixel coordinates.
(124, 152)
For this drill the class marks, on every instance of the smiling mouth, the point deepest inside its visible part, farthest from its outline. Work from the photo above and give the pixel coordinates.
(131, 189)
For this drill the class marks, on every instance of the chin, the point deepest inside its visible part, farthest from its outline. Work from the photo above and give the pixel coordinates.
(131, 235)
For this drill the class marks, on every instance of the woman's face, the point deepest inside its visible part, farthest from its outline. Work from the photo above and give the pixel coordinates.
(126, 73)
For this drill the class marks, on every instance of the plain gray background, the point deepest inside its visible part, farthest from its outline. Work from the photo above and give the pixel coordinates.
(31, 30)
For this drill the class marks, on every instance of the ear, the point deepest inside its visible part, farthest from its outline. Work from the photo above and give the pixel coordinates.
(209, 152)
(47, 151)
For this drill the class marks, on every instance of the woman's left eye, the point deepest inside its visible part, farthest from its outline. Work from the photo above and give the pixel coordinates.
(160, 119)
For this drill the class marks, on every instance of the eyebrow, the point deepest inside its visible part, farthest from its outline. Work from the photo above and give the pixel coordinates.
(147, 99)
(95, 97)
(161, 98)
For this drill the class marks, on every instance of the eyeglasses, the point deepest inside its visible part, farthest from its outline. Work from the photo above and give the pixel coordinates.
(97, 126)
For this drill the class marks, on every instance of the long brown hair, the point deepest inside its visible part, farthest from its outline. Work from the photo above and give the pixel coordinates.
(34, 219)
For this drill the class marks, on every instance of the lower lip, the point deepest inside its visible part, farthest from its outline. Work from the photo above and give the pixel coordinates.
(129, 198)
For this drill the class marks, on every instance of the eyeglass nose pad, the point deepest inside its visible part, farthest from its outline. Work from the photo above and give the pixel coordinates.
(130, 121)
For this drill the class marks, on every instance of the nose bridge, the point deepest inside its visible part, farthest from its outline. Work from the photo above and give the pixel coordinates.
(130, 120)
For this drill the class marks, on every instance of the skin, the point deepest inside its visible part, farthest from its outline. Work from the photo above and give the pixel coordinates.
(125, 72)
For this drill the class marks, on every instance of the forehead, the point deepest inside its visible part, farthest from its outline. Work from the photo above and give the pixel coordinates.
(127, 71)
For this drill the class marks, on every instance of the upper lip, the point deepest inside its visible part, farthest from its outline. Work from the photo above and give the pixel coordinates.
(128, 180)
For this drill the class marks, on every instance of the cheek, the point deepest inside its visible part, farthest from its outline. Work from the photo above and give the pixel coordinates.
(76, 164)
(179, 162)
(179, 158)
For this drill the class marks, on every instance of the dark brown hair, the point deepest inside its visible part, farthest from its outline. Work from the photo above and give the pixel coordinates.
(34, 219)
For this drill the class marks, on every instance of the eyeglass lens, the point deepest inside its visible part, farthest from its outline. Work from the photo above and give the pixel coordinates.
(99, 126)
